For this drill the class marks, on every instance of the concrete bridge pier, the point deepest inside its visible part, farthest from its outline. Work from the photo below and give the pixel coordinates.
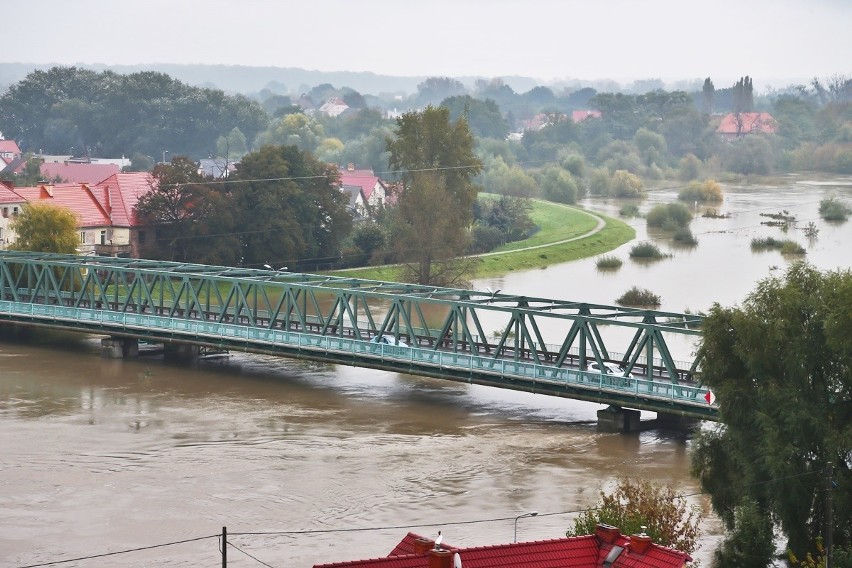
(618, 420)
(675, 421)
(119, 347)
(180, 351)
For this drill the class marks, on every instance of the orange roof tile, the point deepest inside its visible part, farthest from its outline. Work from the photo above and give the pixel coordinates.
(119, 194)
(8, 195)
(76, 197)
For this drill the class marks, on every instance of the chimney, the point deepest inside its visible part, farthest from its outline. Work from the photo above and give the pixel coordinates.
(350, 167)
(607, 533)
(423, 545)
(440, 558)
(639, 543)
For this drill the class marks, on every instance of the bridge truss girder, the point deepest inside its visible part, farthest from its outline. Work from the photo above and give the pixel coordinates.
(543, 331)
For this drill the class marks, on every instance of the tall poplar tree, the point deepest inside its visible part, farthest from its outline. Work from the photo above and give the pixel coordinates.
(436, 163)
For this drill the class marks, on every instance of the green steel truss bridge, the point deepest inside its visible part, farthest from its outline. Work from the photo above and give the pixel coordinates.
(540, 345)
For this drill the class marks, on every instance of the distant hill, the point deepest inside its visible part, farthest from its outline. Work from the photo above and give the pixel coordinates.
(246, 79)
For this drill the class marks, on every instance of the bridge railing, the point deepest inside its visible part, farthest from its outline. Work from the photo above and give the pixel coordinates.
(142, 324)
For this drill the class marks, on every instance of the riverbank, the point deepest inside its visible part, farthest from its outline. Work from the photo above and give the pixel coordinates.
(565, 233)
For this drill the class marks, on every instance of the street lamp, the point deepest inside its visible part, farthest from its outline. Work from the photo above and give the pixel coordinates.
(530, 514)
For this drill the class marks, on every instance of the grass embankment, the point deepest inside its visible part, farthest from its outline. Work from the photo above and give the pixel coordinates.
(557, 224)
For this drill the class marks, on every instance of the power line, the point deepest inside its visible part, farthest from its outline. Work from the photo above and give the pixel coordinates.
(119, 552)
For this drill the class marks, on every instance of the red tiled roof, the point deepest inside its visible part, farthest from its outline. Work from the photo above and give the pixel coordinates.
(9, 146)
(751, 122)
(76, 197)
(78, 173)
(8, 195)
(581, 115)
(575, 552)
(364, 178)
(120, 192)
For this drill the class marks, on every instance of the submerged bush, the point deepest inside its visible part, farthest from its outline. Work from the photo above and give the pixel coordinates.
(646, 250)
(832, 209)
(685, 236)
(629, 210)
(792, 247)
(786, 246)
(706, 191)
(669, 215)
(608, 262)
(638, 297)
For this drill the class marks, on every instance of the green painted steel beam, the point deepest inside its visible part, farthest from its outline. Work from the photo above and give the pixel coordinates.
(542, 331)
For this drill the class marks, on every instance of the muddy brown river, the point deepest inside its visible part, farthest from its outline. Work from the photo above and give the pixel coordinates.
(100, 456)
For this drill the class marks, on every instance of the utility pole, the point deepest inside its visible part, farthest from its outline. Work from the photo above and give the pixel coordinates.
(829, 521)
(224, 547)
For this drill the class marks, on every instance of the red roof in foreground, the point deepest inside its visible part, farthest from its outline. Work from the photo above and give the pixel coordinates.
(591, 551)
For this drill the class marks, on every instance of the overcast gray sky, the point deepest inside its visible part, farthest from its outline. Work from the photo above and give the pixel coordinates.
(771, 40)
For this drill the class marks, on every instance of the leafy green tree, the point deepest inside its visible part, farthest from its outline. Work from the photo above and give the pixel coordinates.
(289, 208)
(233, 146)
(750, 542)
(559, 185)
(193, 221)
(295, 129)
(108, 114)
(781, 369)
(751, 154)
(634, 505)
(625, 184)
(41, 227)
(651, 146)
(435, 208)
(436, 89)
(483, 117)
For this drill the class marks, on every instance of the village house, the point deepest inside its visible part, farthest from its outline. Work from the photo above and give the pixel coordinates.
(333, 107)
(11, 203)
(357, 205)
(374, 190)
(739, 124)
(607, 548)
(105, 211)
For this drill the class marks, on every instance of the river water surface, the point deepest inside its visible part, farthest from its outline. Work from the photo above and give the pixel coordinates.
(98, 456)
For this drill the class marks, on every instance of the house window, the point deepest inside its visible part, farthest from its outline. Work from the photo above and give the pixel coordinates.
(6, 212)
(103, 237)
(14, 211)
(82, 237)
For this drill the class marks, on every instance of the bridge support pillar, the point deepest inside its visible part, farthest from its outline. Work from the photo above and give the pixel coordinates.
(180, 351)
(616, 419)
(675, 421)
(119, 347)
